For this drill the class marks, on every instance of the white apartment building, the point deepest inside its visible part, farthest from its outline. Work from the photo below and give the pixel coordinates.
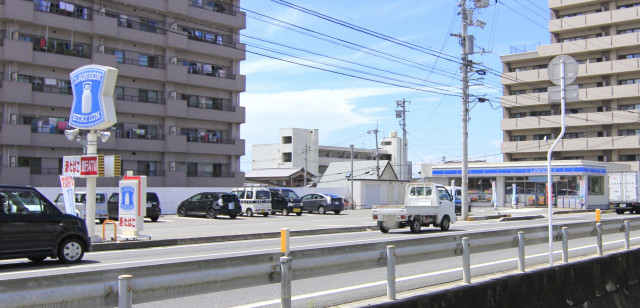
(604, 125)
(299, 147)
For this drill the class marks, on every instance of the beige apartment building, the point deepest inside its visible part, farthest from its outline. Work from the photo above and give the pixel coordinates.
(176, 97)
(604, 125)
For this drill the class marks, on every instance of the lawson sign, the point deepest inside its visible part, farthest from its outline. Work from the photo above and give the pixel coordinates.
(93, 106)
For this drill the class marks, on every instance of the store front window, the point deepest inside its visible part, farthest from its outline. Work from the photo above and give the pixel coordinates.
(531, 190)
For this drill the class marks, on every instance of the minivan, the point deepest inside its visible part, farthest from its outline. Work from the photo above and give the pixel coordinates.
(81, 199)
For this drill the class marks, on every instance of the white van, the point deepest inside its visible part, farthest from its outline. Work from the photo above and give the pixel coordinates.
(81, 199)
(254, 199)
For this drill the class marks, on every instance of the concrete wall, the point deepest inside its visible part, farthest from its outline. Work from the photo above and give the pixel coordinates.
(609, 281)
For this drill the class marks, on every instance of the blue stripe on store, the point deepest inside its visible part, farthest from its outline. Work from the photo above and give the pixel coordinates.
(541, 170)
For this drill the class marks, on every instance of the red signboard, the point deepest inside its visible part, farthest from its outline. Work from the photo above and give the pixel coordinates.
(79, 166)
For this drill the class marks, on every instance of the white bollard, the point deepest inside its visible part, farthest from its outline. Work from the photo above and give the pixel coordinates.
(285, 281)
(565, 244)
(521, 264)
(125, 291)
(391, 272)
(599, 238)
(466, 261)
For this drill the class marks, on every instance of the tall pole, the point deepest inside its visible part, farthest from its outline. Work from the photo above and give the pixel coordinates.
(351, 197)
(375, 131)
(403, 149)
(90, 202)
(306, 151)
(549, 182)
(465, 109)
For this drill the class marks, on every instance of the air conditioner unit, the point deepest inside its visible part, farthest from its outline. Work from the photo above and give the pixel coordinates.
(13, 161)
(174, 26)
(174, 60)
(173, 130)
(14, 118)
(173, 95)
(101, 49)
(172, 165)
(14, 76)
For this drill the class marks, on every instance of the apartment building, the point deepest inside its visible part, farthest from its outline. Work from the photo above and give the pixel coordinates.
(176, 96)
(299, 147)
(604, 125)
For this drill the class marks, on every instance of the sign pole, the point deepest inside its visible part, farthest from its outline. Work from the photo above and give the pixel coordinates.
(90, 209)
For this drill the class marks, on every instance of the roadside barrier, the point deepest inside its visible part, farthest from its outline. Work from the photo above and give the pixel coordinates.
(155, 282)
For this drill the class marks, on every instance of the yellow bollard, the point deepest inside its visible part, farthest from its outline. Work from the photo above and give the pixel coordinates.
(597, 215)
(284, 241)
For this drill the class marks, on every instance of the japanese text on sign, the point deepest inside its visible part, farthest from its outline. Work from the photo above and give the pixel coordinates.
(129, 222)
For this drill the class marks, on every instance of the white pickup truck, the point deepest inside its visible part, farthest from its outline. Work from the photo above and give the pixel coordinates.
(425, 204)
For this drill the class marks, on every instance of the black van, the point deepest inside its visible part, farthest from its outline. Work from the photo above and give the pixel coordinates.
(33, 228)
(285, 201)
(153, 206)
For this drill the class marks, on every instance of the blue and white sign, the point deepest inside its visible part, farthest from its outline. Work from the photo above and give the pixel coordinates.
(93, 106)
(127, 194)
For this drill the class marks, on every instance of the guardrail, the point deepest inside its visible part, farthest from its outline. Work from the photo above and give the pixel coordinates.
(179, 279)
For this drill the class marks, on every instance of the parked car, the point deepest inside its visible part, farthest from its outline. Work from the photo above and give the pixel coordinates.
(211, 204)
(153, 206)
(285, 201)
(34, 228)
(81, 205)
(456, 191)
(322, 203)
(254, 199)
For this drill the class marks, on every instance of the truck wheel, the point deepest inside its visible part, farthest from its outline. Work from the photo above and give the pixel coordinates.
(321, 210)
(211, 213)
(285, 212)
(250, 212)
(383, 228)
(445, 223)
(415, 225)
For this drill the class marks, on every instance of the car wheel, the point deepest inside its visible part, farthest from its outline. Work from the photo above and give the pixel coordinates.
(619, 212)
(285, 212)
(70, 251)
(384, 228)
(445, 223)
(101, 220)
(336, 212)
(182, 212)
(415, 225)
(321, 210)
(250, 212)
(265, 214)
(211, 213)
(37, 259)
(233, 216)
(155, 218)
(299, 214)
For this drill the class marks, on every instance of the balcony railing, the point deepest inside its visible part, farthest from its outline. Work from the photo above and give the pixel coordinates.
(58, 46)
(132, 134)
(208, 138)
(215, 6)
(140, 99)
(145, 63)
(150, 172)
(51, 89)
(205, 174)
(150, 26)
(64, 9)
(45, 171)
(215, 104)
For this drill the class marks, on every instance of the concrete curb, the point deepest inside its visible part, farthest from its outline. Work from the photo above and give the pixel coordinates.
(521, 218)
(222, 238)
(487, 217)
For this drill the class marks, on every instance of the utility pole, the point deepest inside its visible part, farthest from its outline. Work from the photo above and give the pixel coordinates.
(466, 41)
(402, 114)
(375, 131)
(351, 197)
(306, 153)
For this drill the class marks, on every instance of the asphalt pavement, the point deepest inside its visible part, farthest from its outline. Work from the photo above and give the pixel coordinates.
(220, 230)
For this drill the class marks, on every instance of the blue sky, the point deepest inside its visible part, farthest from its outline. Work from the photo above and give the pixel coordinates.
(280, 94)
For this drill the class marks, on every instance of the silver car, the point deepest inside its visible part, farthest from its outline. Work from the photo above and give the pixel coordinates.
(322, 203)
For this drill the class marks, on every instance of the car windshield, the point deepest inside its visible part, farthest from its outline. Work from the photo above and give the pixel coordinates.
(290, 194)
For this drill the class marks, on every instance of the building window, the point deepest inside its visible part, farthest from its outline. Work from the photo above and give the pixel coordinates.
(286, 139)
(518, 92)
(519, 138)
(629, 31)
(286, 157)
(631, 157)
(516, 115)
(629, 132)
(573, 135)
(542, 137)
(540, 113)
(540, 90)
(629, 107)
(628, 81)
(596, 185)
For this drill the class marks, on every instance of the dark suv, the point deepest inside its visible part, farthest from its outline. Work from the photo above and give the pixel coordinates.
(153, 206)
(285, 201)
(32, 227)
(211, 204)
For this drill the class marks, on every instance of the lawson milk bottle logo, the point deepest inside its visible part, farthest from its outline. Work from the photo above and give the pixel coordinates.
(93, 106)
(126, 198)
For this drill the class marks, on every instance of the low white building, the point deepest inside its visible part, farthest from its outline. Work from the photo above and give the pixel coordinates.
(299, 148)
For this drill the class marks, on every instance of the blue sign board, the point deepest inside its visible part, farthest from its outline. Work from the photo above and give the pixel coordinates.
(126, 198)
(93, 106)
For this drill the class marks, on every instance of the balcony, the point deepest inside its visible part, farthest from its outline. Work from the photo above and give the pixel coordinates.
(594, 20)
(578, 144)
(572, 120)
(63, 9)
(225, 14)
(205, 174)
(589, 94)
